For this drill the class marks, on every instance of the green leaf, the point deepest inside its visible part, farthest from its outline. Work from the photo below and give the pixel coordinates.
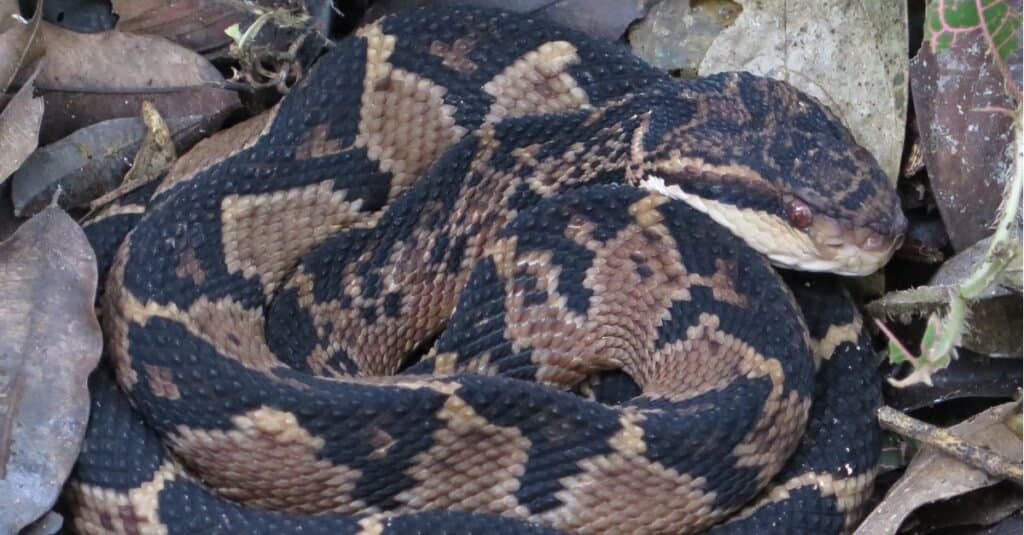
(897, 353)
(931, 334)
(960, 14)
(945, 20)
(234, 32)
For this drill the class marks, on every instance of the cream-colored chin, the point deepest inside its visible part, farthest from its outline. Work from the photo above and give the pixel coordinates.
(773, 237)
(850, 261)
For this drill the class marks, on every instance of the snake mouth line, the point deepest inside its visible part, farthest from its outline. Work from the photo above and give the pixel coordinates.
(860, 252)
(828, 245)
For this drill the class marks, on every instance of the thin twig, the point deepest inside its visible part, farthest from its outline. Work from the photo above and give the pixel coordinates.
(974, 455)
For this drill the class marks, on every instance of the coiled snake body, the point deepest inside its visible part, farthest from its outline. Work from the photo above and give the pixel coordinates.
(477, 273)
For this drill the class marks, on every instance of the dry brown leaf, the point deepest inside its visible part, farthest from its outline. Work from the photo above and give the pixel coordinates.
(49, 342)
(19, 128)
(934, 476)
(155, 157)
(20, 46)
(9, 10)
(675, 35)
(94, 77)
(851, 55)
(86, 164)
(194, 24)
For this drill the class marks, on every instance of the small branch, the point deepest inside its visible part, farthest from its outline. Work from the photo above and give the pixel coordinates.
(974, 455)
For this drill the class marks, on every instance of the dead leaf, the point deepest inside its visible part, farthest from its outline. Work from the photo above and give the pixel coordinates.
(155, 156)
(9, 11)
(90, 78)
(851, 55)
(8, 221)
(86, 164)
(194, 24)
(85, 16)
(676, 34)
(20, 46)
(934, 476)
(49, 342)
(970, 375)
(19, 128)
(607, 19)
(49, 524)
(965, 514)
(967, 145)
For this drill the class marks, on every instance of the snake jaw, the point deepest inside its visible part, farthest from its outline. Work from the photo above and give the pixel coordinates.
(826, 245)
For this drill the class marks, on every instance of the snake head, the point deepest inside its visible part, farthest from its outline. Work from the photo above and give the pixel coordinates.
(776, 168)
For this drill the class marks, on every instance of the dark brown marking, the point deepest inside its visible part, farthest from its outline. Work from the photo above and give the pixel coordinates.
(455, 55)
(161, 382)
(189, 266)
(317, 144)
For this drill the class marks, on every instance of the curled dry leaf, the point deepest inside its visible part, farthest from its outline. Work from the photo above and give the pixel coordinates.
(86, 164)
(155, 156)
(601, 18)
(851, 55)
(960, 81)
(19, 128)
(94, 77)
(934, 476)
(49, 342)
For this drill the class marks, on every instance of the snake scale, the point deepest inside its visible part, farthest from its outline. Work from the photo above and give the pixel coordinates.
(477, 273)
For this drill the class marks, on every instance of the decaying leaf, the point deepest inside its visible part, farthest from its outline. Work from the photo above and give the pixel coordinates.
(19, 128)
(155, 156)
(86, 164)
(19, 47)
(194, 24)
(969, 376)
(90, 78)
(9, 11)
(49, 342)
(851, 55)
(962, 77)
(934, 476)
(601, 18)
(676, 34)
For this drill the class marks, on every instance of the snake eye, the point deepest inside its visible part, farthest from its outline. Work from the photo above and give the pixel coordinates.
(799, 214)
